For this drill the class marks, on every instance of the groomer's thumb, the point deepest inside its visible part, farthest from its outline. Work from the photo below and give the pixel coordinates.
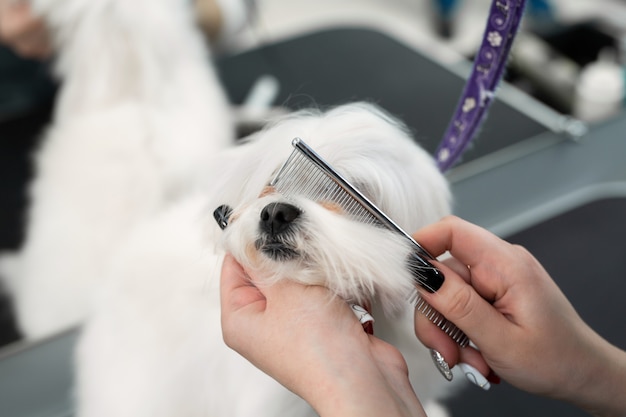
(459, 302)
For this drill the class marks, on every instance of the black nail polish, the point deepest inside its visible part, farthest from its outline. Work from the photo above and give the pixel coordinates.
(426, 275)
(222, 215)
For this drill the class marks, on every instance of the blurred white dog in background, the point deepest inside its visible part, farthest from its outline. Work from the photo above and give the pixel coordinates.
(140, 114)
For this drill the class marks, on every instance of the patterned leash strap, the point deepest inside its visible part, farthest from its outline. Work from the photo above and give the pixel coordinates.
(502, 25)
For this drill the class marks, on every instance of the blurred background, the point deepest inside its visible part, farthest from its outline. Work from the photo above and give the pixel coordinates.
(547, 170)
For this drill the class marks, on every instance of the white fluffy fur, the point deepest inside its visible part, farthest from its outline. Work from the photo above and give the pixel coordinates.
(154, 346)
(370, 150)
(127, 180)
(139, 116)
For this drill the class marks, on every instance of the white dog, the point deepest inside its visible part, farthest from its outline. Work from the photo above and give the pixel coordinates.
(127, 180)
(139, 116)
(154, 347)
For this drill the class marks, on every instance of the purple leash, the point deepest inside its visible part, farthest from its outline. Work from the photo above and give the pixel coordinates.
(502, 25)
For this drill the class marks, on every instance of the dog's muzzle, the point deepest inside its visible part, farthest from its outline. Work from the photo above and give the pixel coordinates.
(278, 218)
(277, 223)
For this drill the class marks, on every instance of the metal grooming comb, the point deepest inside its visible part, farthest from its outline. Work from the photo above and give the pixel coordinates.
(306, 174)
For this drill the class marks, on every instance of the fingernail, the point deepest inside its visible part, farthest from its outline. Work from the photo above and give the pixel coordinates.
(361, 313)
(365, 318)
(426, 275)
(222, 215)
(493, 377)
(474, 376)
(441, 364)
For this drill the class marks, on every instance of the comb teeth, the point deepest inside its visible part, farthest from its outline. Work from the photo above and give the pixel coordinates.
(439, 320)
(305, 174)
(300, 176)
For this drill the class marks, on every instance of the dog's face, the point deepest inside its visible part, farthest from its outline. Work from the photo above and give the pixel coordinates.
(317, 243)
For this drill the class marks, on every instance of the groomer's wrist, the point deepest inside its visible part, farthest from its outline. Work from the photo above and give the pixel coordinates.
(363, 391)
(612, 385)
(358, 402)
(602, 392)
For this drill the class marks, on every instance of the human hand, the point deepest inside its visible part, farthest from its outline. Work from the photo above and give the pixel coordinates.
(220, 19)
(311, 342)
(22, 31)
(524, 327)
(209, 17)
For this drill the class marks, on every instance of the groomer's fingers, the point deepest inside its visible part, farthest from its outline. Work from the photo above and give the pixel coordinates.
(236, 289)
(434, 338)
(22, 30)
(465, 241)
(473, 357)
(486, 257)
(35, 45)
(459, 302)
(457, 266)
(242, 305)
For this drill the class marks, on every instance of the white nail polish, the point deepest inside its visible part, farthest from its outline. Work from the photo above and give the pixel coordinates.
(474, 376)
(362, 314)
(441, 364)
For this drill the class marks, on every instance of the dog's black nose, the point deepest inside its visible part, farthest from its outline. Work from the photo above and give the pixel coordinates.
(276, 218)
